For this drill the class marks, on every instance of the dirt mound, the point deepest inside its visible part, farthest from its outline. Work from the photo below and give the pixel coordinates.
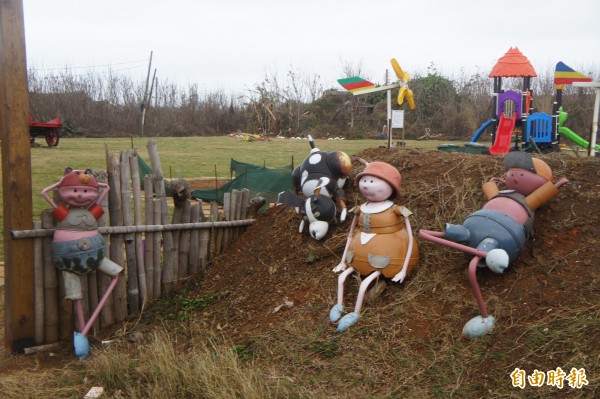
(273, 269)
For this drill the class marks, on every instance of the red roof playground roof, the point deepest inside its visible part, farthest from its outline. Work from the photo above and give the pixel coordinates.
(513, 65)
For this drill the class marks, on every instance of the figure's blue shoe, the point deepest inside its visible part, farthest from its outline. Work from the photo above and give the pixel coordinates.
(478, 326)
(347, 321)
(82, 346)
(336, 312)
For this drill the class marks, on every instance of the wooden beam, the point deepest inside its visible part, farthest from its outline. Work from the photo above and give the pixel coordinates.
(16, 178)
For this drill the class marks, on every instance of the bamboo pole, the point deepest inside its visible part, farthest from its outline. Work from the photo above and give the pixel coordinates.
(133, 291)
(137, 219)
(149, 237)
(65, 312)
(38, 287)
(204, 238)
(244, 204)
(159, 189)
(176, 219)
(118, 230)
(50, 285)
(228, 233)
(85, 301)
(235, 210)
(118, 311)
(95, 284)
(214, 217)
(157, 274)
(194, 258)
(184, 243)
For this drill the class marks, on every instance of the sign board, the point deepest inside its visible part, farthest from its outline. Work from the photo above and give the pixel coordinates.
(398, 119)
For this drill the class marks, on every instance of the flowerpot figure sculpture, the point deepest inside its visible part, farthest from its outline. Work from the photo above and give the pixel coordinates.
(496, 234)
(77, 246)
(380, 243)
(320, 179)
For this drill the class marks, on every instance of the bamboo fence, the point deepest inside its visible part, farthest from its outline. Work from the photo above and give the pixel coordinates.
(158, 244)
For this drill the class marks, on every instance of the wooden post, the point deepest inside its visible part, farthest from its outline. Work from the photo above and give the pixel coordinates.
(50, 285)
(38, 283)
(157, 275)
(16, 178)
(184, 243)
(132, 269)
(194, 258)
(204, 238)
(118, 311)
(137, 220)
(228, 232)
(169, 248)
(149, 237)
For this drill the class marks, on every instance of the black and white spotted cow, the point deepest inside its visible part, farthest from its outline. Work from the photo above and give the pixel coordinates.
(319, 179)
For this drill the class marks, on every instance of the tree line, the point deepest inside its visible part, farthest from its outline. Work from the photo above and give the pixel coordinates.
(298, 104)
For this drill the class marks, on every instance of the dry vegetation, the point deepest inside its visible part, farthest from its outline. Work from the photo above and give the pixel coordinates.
(297, 104)
(256, 325)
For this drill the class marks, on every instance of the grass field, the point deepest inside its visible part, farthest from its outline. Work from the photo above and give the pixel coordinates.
(181, 157)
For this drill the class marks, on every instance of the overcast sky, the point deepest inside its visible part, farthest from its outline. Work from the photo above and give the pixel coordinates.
(233, 44)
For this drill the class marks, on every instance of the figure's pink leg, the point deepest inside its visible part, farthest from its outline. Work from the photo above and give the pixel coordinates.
(437, 237)
(101, 304)
(475, 286)
(79, 313)
(363, 289)
(341, 282)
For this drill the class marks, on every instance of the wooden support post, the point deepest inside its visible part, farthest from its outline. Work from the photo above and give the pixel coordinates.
(149, 237)
(16, 178)
(118, 311)
(133, 291)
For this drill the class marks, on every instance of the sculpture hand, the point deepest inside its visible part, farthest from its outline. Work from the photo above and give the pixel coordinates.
(343, 214)
(340, 268)
(398, 278)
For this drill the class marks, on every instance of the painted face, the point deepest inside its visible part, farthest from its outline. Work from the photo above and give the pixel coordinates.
(374, 189)
(523, 181)
(78, 196)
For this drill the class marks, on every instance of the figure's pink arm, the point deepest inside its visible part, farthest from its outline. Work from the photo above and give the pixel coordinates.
(410, 244)
(561, 182)
(350, 235)
(105, 189)
(47, 198)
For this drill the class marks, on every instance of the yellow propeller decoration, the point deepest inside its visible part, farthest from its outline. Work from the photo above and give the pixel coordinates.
(404, 91)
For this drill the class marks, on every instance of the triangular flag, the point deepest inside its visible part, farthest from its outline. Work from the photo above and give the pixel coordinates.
(565, 75)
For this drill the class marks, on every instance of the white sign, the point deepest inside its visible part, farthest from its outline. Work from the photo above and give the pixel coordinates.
(398, 119)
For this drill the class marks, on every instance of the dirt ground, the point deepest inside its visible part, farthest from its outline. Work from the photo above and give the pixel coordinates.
(273, 268)
(272, 271)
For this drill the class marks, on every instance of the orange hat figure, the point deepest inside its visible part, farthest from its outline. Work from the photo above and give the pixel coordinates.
(78, 247)
(383, 246)
(496, 234)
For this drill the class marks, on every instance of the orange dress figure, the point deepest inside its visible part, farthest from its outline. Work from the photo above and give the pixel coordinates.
(383, 245)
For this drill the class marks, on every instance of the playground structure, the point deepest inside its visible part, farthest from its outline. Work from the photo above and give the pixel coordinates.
(515, 123)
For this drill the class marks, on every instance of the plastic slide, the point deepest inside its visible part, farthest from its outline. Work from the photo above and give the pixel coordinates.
(575, 138)
(503, 135)
(480, 130)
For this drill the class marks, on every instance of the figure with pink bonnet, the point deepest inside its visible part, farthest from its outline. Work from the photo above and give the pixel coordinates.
(380, 245)
(496, 234)
(77, 246)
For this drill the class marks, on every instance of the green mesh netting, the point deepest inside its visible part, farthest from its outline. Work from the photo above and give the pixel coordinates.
(241, 167)
(144, 170)
(261, 181)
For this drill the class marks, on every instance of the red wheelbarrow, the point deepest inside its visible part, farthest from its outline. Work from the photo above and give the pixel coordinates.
(50, 130)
